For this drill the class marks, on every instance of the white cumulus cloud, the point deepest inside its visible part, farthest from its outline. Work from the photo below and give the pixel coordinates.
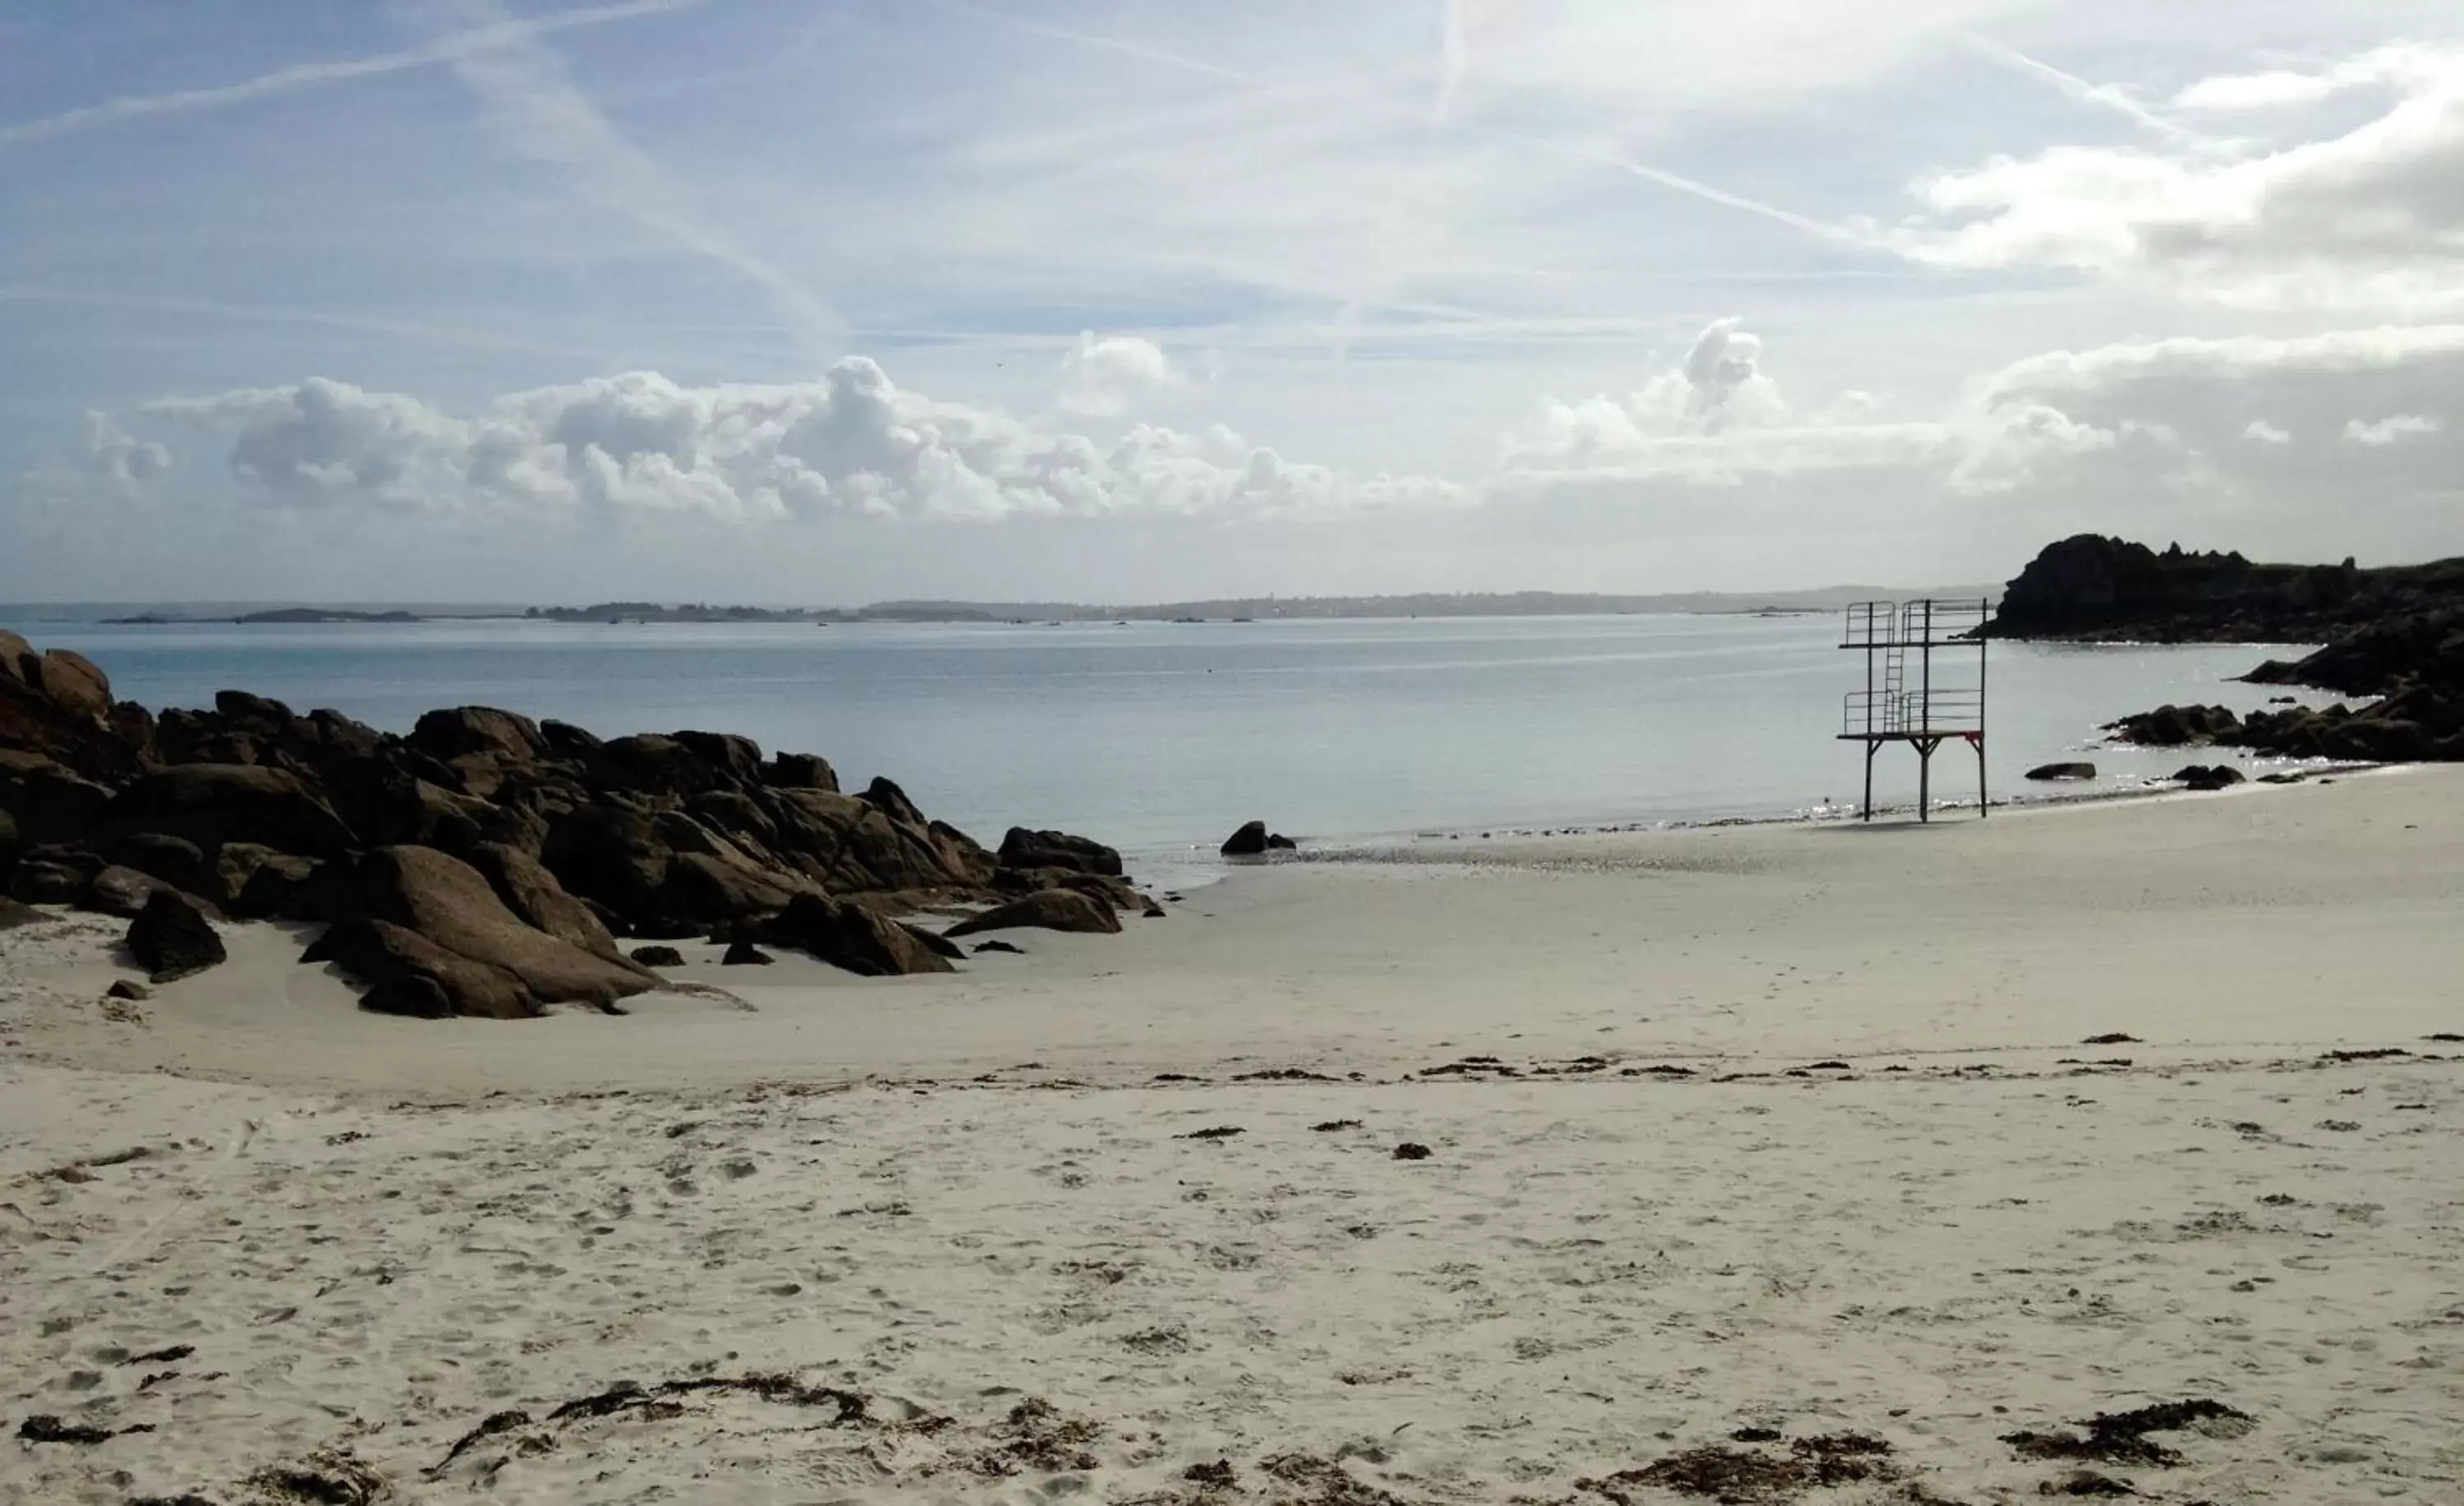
(2387, 430)
(1106, 377)
(851, 443)
(2367, 216)
(2163, 419)
(120, 457)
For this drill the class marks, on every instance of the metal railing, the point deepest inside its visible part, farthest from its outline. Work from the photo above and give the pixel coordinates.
(1915, 624)
(1871, 625)
(1948, 711)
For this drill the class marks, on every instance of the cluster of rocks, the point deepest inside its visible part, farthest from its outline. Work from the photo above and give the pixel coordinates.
(2412, 662)
(486, 863)
(2195, 777)
(2175, 726)
(2207, 777)
(2418, 721)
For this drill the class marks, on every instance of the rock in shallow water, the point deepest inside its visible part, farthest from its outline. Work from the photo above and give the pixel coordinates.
(2062, 771)
(2207, 777)
(1247, 842)
(2174, 726)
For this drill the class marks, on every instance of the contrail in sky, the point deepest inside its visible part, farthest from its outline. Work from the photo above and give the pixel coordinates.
(2103, 95)
(1676, 182)
(316, 75)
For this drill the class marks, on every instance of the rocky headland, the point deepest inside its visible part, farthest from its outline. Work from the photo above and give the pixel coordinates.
(2090, 588)
(485, 863)
(2393, 634)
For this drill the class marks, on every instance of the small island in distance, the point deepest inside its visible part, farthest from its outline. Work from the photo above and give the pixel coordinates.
(281, 614)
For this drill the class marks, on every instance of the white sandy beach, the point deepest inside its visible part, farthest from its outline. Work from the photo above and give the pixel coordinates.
(369, 1236)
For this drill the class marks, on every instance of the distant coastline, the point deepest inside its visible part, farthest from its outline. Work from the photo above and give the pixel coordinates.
(1223, 609)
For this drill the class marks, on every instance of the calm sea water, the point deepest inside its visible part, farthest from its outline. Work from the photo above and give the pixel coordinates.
(1161, 738)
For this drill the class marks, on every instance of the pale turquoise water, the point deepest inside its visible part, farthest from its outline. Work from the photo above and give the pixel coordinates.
(1162, 736)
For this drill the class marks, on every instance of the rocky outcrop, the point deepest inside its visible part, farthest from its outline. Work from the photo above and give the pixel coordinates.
(47, 802)
(530, 891)
(257, 883)
(1048, 910)
(473, 731)
(211, 803)
(1022, 848)
(2409, 652)
(171, 938)
(2089, 586)
(59, 704)
(116, 891)
(41, 880)
(404, 973)
(2415, 726)
(848, 936)
(486, 863)
(789, 770)
(2395, 633)
(174, 860)
(934, 942)
(452, 904)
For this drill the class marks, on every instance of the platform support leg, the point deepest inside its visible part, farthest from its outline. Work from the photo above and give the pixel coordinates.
(1925, 777)
(1870, 746)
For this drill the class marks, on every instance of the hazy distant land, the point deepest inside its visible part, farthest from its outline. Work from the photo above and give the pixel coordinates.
(1268, 608)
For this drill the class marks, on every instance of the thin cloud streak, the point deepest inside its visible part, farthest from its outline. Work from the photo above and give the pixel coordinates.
(1660, 176)
(543, 115)
(2103, 95)
(316, 75)
(1833, 234)
(249, 312)
(1454, 60)
(1109, 44)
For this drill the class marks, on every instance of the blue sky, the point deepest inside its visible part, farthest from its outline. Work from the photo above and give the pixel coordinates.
(831, 300)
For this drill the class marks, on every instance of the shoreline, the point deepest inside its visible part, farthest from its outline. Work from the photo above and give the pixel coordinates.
(2078, 921)
(1412, 847)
